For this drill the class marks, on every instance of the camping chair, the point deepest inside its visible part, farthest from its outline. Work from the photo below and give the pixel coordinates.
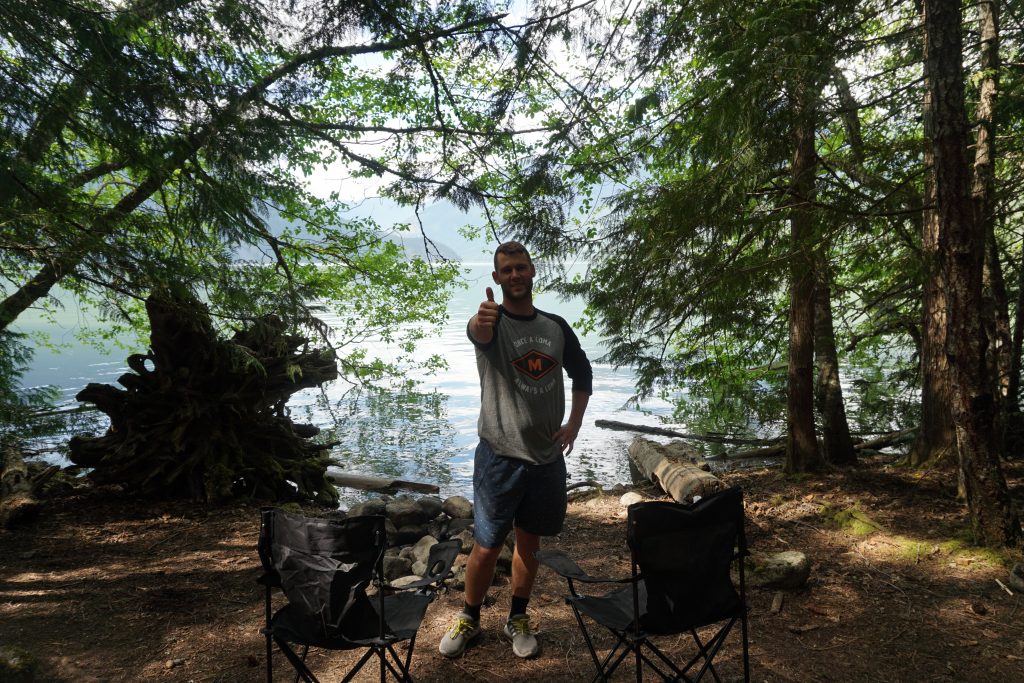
(681, 557)
(324, 567)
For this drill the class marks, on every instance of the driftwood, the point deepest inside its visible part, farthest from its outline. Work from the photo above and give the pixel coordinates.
(670, 467)
(204, 417)
(661, 431)
(370, 483)
(886, 440)
(883, 441)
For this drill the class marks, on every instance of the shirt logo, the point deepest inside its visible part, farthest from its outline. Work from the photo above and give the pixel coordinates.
(535, 364)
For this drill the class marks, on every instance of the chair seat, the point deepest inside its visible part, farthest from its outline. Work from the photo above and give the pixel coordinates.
(403, 613)
(614, 609)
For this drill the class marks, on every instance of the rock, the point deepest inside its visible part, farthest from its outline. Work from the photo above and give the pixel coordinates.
(438, 527)
(406, 553)
(458, 507)
(1016, 578)
(410, 533)
(392, 531)
(405, 511)
(456, 526)
(505, 559)
(458, 581)
(430, 506)
(405, 581)
(631, 497)
(17, 665)
(419, 568)
(465, 538)
(788, 569)
(395, 567)
(421, 551)
(374, 506)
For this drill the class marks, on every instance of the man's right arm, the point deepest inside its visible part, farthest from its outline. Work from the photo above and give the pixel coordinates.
(481, 325)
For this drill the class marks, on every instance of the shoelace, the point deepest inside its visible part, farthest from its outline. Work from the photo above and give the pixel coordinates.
(519, 625)
(462, 626)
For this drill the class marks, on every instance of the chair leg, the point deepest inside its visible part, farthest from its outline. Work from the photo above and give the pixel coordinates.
(746, 647)
(600, 676)
(359, 665)
(298, 663)
(403, 665)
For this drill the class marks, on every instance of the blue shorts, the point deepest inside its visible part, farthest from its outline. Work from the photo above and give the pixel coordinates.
(510, 492)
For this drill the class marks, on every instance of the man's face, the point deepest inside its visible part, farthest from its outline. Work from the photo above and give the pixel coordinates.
(515, 275)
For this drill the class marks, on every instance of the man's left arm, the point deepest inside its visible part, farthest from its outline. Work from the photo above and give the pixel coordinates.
(577, 365)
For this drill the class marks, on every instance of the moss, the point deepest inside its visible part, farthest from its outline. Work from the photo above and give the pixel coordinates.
(911, 549)
(850, 519)
(17, 665)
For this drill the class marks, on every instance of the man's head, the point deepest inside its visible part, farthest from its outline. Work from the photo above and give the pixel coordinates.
(509, 249)
(514, 272)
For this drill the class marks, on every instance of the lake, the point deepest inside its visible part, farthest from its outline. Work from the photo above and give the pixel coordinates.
(427, 434)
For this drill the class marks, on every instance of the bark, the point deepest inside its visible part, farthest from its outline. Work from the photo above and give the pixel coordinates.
(802, 453)
(935, 445)
(1013, 383)
(669, 466)
(997, 317)
(837, 445)
(962, 249)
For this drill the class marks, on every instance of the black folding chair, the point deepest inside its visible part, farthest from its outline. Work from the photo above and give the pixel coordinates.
(324, 568)
(680, 582)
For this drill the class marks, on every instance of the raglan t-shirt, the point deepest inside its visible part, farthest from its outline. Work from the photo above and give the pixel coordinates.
(522, 394)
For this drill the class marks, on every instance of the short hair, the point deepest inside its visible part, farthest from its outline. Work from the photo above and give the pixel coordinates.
(510, 249)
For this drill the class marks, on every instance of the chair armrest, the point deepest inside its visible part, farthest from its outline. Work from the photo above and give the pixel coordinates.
(567, 568)
(439, 564)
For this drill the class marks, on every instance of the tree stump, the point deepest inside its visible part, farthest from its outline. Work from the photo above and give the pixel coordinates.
(204, 418)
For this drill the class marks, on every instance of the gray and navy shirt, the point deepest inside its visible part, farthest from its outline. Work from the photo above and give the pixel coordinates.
(522, 395)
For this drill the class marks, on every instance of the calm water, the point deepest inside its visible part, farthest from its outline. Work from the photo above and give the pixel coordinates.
(427, 434)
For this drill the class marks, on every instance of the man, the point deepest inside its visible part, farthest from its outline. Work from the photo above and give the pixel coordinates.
(519, 468)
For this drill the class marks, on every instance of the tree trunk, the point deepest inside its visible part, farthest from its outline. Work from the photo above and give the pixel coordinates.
(837, 444)
(935, 445)
(801, 445)
(1013, 383)
(962, 250)
(997, 317)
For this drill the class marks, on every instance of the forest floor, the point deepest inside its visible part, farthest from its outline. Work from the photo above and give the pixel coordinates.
(106, 588)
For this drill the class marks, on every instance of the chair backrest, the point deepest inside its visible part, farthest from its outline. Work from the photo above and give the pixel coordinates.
(324, 566)
(684, 554)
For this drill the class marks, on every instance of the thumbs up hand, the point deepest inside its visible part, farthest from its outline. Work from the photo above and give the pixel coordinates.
(481, 326)
(487, 315)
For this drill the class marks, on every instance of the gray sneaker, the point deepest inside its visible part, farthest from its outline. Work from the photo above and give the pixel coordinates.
(462, 631)
(517, 630)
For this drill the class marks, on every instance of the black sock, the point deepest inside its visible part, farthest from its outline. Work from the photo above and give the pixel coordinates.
(518, 606)
(472, 610)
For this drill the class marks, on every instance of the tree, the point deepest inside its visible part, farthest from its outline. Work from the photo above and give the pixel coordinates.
(962, 248)
(154, 142)
(156, 145)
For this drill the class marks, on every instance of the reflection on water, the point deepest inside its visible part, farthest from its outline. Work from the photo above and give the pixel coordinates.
(427, 433)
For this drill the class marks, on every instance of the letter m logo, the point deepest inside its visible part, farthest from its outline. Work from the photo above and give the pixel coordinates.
(535, 364)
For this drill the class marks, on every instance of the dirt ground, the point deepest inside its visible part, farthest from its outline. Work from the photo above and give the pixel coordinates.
(106, 588)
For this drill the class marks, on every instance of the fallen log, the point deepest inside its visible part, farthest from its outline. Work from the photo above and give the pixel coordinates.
(770, 452)
(670, 467)
(884, 441)
(662, 431)
(367, 482)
